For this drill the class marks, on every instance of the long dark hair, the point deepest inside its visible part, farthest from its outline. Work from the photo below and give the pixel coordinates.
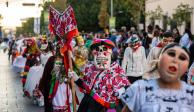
(189, 33)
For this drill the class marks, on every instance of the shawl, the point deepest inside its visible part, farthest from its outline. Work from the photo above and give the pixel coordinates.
(103, 85)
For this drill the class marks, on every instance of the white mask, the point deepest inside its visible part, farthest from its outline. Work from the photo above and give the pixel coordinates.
(44, 46)
(102, 57)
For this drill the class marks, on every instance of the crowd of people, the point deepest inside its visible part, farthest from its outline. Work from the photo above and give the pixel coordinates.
(116, 71)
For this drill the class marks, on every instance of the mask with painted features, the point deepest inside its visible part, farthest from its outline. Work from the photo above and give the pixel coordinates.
(173, 62)
(102, 51)
(80, 40)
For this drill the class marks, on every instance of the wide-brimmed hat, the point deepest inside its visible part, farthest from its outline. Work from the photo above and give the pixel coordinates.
(99, 42)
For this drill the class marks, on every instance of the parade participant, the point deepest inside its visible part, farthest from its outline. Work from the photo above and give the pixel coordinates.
(134, 59)
(186, 39)
(32, 54)
(35, 72)
(156, 38)
(53, 84)
(190, 75)
(103, 81)
(167, 93)
(20, 61)
(154, 54)
(80, 53)
(176, 35)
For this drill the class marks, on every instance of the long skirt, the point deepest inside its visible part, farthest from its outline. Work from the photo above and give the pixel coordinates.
(34, 75)
(19, 63)
(59, 101)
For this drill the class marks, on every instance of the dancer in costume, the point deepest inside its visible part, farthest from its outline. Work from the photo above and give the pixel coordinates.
(32, 54)
(53, 85)
(167, 93)
(103, 81)
(154, 54)
(35, 72)
(20, 61)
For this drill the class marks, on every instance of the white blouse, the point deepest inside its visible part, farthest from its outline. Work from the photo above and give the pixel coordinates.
(134, 62)
(147, 96)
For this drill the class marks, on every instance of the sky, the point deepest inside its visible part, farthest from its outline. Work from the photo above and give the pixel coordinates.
(15, 12)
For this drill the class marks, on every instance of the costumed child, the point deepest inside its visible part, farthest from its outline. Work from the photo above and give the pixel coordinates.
(167, 93)
(32, 55)
(20, 61)
(103, 80)
(54, 85)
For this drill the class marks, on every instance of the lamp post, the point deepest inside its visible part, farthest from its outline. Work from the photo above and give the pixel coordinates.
(111, 3)
(112, 19)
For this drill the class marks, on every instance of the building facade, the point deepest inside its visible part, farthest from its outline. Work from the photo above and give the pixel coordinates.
(168, 7)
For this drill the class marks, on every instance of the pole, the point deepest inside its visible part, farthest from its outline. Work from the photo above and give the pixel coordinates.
(72, 81)
(111, 13)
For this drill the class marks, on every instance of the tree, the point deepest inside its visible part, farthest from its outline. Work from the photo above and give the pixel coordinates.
(86, 12)
(27, 28)
(103, 16)
(155, 14)
(182, 14)
(94, 15)
(137, 8)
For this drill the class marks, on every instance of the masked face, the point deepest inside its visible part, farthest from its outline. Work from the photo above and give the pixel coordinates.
(29, 43)
(102, 57)
(135, 45)
(173, 63)
(44, 46)
(57, 65)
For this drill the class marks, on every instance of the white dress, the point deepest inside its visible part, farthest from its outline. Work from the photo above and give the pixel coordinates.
(19, 63)
(147, 96)
(35, 73)
(60, 98)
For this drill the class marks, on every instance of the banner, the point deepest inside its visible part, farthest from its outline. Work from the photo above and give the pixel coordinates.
(62, 23)
(112, 22)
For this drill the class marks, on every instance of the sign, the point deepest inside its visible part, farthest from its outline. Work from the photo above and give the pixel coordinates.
(112, 22)
(37, 25)
(62, 23)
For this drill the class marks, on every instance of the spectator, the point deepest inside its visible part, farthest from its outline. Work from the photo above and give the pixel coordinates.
(186, 39)
(176, 35)
(134, 59)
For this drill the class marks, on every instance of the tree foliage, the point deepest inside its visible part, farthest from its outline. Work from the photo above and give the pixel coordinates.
(27, 28)
(155, 14)
(103, 16)
(94, 15)
(182, 14)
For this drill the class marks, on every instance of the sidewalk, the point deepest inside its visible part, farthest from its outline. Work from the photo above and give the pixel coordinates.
(11, 95)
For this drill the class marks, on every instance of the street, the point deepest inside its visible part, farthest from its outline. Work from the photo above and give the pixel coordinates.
(11, 94)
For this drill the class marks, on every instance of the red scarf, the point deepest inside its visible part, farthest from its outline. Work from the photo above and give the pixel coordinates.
(160, 45)
(136, 47)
